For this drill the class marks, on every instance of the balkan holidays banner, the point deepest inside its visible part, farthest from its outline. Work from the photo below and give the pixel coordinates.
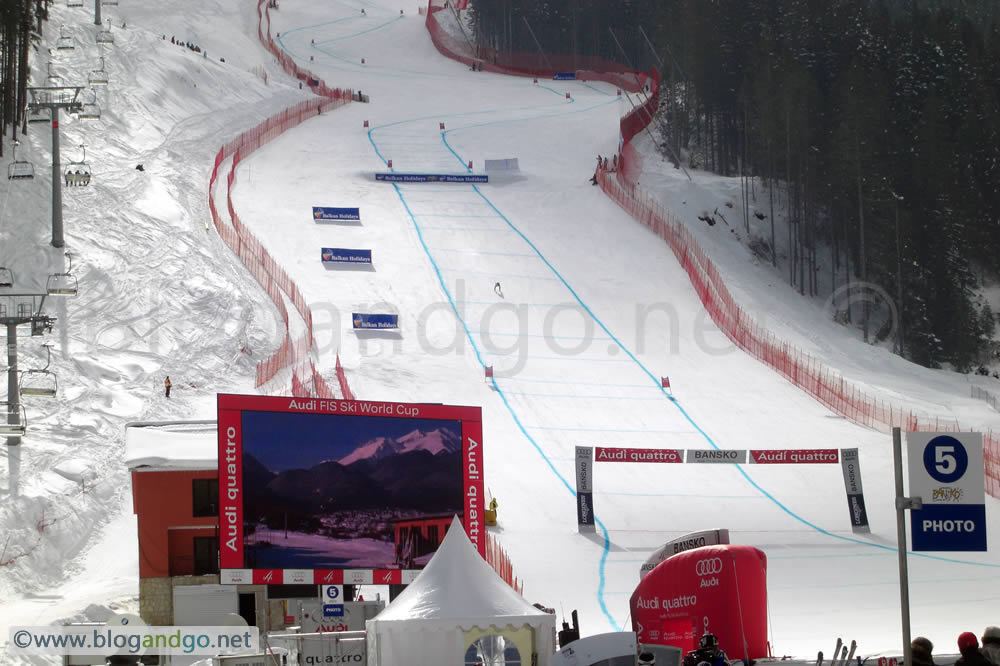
(851, 465)
(375, 321)
(339, 255)
(325, 213)
(432, 178)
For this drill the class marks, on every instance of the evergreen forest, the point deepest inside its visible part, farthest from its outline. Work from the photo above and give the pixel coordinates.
(874, 123)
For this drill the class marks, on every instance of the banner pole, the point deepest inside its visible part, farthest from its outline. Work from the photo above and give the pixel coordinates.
(904, 585)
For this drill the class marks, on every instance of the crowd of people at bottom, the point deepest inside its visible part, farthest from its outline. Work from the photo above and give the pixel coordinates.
(968, 646)
(710, 654)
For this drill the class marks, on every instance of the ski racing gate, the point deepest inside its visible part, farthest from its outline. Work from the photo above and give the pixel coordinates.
(700, 582)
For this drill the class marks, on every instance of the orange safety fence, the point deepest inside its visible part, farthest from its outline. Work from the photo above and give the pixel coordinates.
(621, 184)
(497, 558)
(268, 273)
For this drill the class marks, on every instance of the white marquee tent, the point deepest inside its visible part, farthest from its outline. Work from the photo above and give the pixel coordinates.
(459, 612)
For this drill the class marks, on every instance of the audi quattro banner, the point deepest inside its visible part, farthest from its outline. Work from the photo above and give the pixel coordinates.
(585, 489)
(793, 456)
(721, 589)
(851, 464)
(327, 214)
(609, 454)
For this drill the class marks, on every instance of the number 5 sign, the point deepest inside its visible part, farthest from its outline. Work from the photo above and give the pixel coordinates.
(946, 473)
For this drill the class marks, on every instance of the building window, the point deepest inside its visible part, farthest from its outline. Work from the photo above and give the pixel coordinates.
(206, 497)
(206, 555)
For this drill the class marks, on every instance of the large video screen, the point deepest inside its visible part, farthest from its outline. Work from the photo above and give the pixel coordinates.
(313, 484)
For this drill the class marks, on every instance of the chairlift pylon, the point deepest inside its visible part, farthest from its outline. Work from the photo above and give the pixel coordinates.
(40, 382)
(98, 76)
(63, 284)
(20, 169)
(8, 409)
(6, 277)
(78, 173)
(105, 36)
(65, 41)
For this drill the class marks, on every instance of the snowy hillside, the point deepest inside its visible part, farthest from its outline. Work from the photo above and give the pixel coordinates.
(595, 309)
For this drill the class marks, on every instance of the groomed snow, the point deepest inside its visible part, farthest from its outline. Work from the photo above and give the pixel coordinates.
(595, 310)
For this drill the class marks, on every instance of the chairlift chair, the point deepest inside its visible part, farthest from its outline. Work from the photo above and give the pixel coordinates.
(63, 284)
(6, 277)
(90, 109)
(109, 3)
(12, 429)
(78, 174)
(98, 76)
(52, 76)
(41, 114)
(74, 3)
(20, 169)
(65, 41)
(40, 382)
(105, 36)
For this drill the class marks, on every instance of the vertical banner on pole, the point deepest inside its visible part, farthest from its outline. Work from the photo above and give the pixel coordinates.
(585, 489)
(851, 464)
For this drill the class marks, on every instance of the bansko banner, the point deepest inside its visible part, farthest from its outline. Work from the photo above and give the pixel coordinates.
(376, 321)
(947, 473)
(716, 456)
(432, 178)
(855, 495)
(683, 543)
(585, 489)
(325, 213)
(340, 255)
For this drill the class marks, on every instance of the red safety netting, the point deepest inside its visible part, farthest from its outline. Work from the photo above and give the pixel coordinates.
(619, 181)
(497, 558)
(271, 276)
(806, 372)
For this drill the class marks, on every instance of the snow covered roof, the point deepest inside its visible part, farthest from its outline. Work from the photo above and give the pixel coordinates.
(458, 585)
(172, 444)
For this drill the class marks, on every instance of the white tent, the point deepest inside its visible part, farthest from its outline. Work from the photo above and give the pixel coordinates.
(459, 612)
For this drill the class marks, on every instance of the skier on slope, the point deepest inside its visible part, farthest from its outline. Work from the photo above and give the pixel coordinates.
(708, 652)
(498, 290)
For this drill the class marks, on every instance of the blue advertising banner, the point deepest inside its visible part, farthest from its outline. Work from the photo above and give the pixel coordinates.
(564, 76)
(376, 321)
(339, 255)
(432, 178)
(323, 213)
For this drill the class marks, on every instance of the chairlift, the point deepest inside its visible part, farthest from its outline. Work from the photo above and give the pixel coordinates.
(78, 173)
(63, 284)
(40, 114)
(40, 382)
(98, 76)
(52, 76)
(90, 109)
(8, 409)
(105, 36)
(6, 277)
(65, 41)
(109, 3)
(74, 3)
(19, 169)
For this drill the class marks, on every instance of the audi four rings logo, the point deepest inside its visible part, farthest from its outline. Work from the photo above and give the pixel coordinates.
(708, 567)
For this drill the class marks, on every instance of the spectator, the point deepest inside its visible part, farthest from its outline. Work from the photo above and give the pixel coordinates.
(921, 649)
(968, 645)
(991, 644)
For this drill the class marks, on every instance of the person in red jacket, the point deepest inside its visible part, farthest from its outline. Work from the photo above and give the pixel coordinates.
(167, 385)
